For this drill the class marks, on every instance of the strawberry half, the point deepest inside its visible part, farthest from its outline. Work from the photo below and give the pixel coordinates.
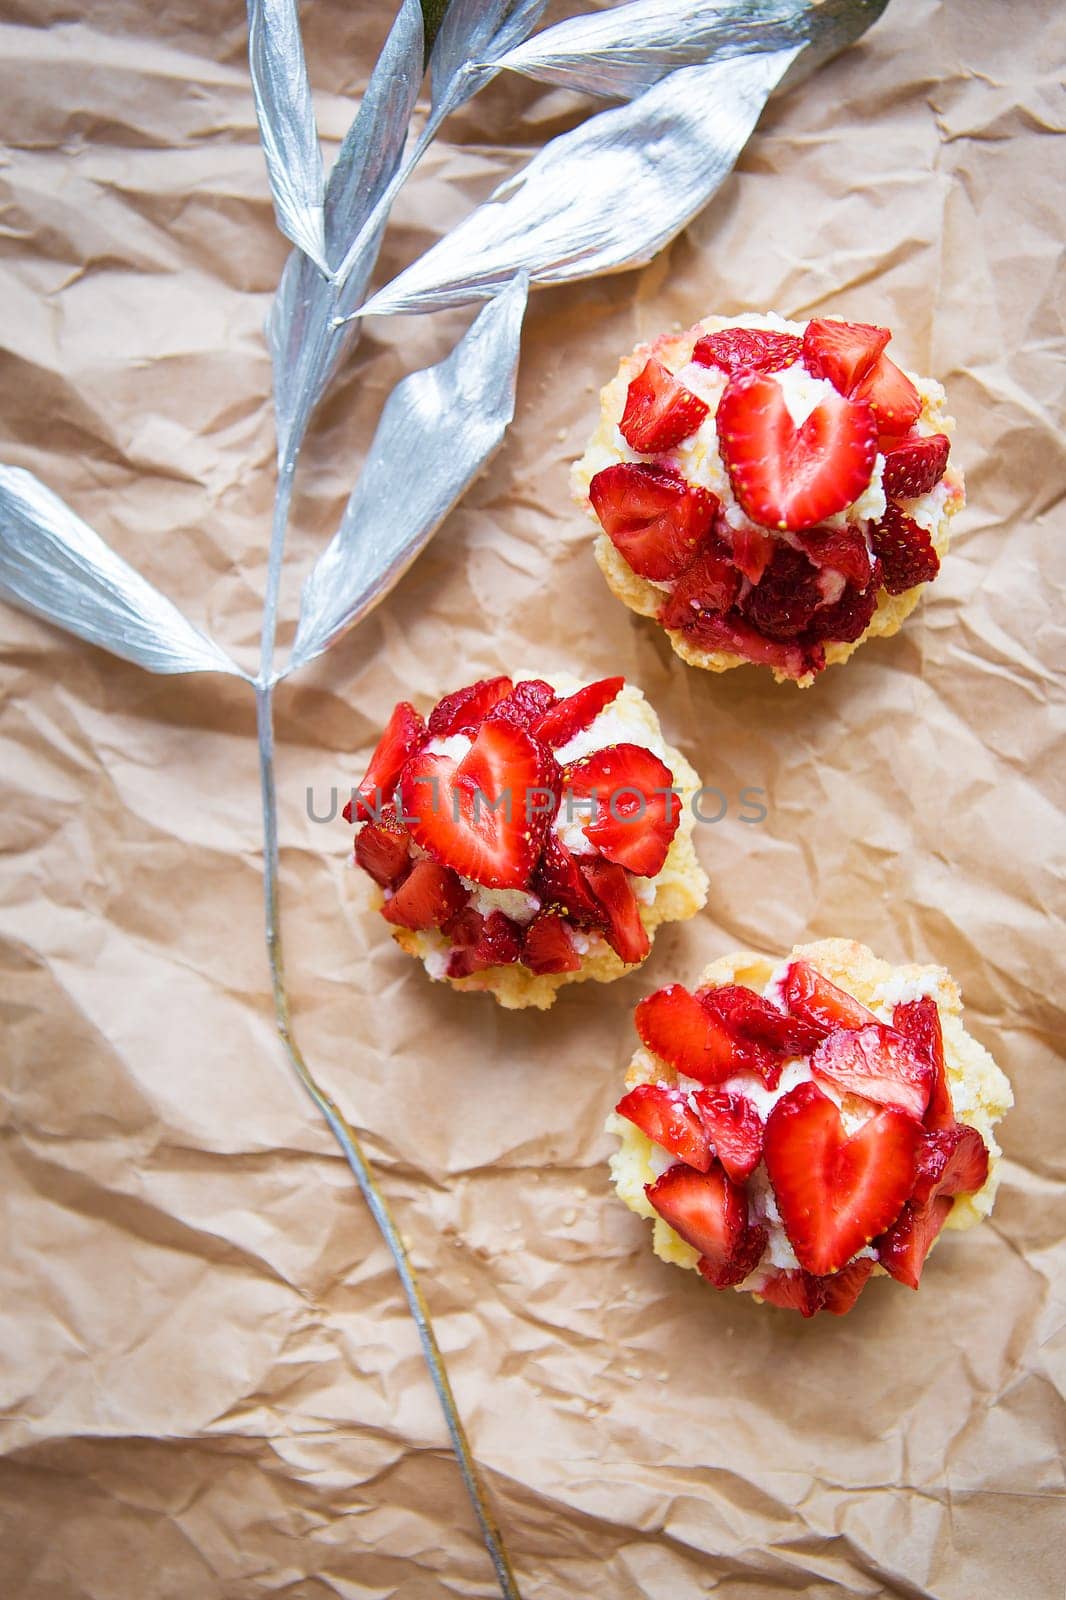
(481, 815)
(710, 585)
(668, 1120)
(915, 465)
(843, 550)
(810, 996)
(547, 946)
(835, 1193)
(382, 849)
(467, 708)
(891, 396)
(659, 411)
(675, 1026)
(525, 705)
(404, 733)
(492, 941)
(653, 517)
(841, 1289)
(843, 352)
(428, 897)
(560, 886)
(624, 931)
(877, 1063)
(637, 811)
(795, 1291)
(736, 350)
(904, 549)
(787, 477)
(745, 1258)
(919, 1022)
(562, 721)
(734, 1129)
(707, 1209)
(903, 1248)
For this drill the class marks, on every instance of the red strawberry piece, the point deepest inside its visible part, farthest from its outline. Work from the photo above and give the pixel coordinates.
(736, 636)
(915, 465)
(659, 412)
(835, 1193)
(383, 849)
(707, 1209)
(782, 604)
(736, 350)
(743, 1261)
(843, 352)
(903, 1248)
(877, 1063)
(668, 1120)
(905, 551)
(637, 811)
(675, 1026)
(891, 396)
(467, 708)
(562, 721)
(428, 897)
(787, 477)
(753, 1023)
(844, 550)
(547, 946)
(952, 1161)
(560, 886)
(810, 996)
(753, 550)
(795, 1291)
(653, 517)
(842, 1289)
(734, 1128)
(711, 584)
(497, 942)
(624, 931)
(847, 619)
(525, 705)
(482, 814)
(464, 929)
(919, 1022)
(404, 733)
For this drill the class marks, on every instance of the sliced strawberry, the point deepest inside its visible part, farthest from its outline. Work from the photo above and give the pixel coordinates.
(562, 721)
(795, 1291)
(560, 886)
(383, 849)
(751, 1021)
(659, 412)
(547, 946)
(891, 396)
(842, 1289)
(843, 352)
(951, 1161)
(919, 1022)
(877, 1063)
(525, 705)
(736, 350)
(782, 604)
(903, 1248)
(711, 584)
(429, 896)
(707, 1209)
(836, 1193)
(848, 618)
(675, 1026)
(624, 931)
(810, 996)
(843, 550)
(481, 814)
(734, 1128)
(915, 465)
(404, 733)
(787, 477)
(753, 550)
(467, 708)
(735, 635)
(668, 1120)
(745, 1258)
(905, 551)
(498, 943)
(653, 517)
(637, 811)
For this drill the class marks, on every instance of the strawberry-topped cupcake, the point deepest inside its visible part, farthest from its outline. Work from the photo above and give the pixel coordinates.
(794, 1130)
(528, 834)
(772, 492)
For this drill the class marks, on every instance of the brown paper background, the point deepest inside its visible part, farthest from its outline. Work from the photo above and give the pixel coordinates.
(209, 1385)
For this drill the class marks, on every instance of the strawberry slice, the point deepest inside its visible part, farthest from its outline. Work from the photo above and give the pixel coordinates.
(919, 1022)
(905, 551)
(903, 1248)
(659, 412)
(891, 396)
(481, 814)
(843, 550)
(624, 931)
(736, 350)
(753, 550)
(810, 996)
(492, 941)
(877, 1063)
(668, 1120)
(547, 946)
(952, 1161)
(745, 1258)
(843, 1288)
(795, 1291)
(525, 705)
(560, 886)
(562, 721)
(404, 734)
(637, 811)
(915, 465)
(428, 897)
(675, 1026)
(467, 708)
(843, 352)
(835, 1193)
(758, 1027)
(732, 633)
(653, 517)
(382, 849)
(734, 1128)
(711, 584)
(707, 1209)
(787, 477)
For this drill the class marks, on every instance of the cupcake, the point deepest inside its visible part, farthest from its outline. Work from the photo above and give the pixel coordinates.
(771, 492)
(794, 1130)
(528, 834)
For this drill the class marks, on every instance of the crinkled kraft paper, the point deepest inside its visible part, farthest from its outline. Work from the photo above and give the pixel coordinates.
(210, 1385)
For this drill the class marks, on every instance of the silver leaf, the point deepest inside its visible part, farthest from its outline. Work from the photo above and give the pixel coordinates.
(287, 124)
(54, 566)
(437, 430)
(624, 51)
(607, 195)
(473, 34)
